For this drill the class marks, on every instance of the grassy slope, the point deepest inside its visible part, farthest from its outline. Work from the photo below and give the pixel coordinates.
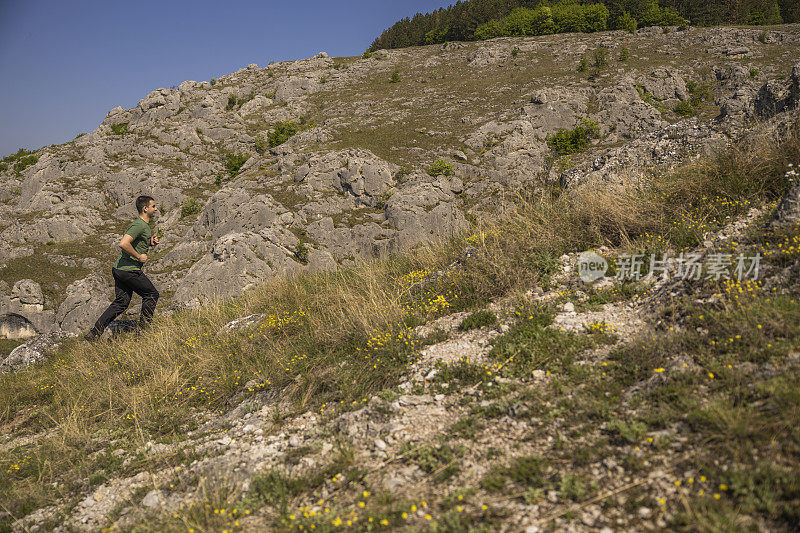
(320, 330)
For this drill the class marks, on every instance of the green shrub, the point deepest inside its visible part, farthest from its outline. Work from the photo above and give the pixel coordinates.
(213, 81)
(583, 65)
(754, 72)
(568, 18)
(237, 102)
(282, 132)
(440, 460)
(395, 77)
(478, 319)
(25, 162)
(571, 141)
(119, 129)
(231, 102)
(436, 35)
(655, 15)
(762, 37)
(600, 58)
(3, 167)
(441, 167)
(580, 18)
(573, 487)
(275, 491)
(627, 22)
(684, 109)
(190, 206)
(366, 55)
(301, 253)
(700, 92)
(22, 152)
(515, 52)
(270, 95)
(261, 146)
(545, 20)
(489, 30)
(595, 17)
(624, 54)
(627, 432)
(522, 22)
(383, 199)
(234, 162)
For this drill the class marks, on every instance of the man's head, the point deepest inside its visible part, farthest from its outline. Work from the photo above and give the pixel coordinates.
(146, 205)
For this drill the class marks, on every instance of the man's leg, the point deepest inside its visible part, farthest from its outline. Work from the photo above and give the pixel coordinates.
(144, 288)
(122, 300)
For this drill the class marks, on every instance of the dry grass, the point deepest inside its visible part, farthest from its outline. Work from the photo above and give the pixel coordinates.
(339, 337)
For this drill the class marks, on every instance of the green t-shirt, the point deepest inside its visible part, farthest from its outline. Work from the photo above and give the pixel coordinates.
(141, 233)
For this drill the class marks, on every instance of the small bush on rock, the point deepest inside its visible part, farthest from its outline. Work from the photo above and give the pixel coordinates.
(234, 162)
(119, 129)
(441, 167)
(301, 253)
(700, 92)
(190, 206)
(24, 162)
(575, 140)
(684, 109)
(261, 146)
(282, 132)
(231, 102)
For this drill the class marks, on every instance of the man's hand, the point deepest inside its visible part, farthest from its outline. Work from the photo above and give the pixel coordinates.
(153, 240)
(127, 245)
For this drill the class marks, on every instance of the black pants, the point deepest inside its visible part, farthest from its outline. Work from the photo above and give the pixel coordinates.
(126, 282)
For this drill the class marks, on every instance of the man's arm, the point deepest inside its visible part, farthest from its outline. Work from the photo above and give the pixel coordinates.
(126, 244)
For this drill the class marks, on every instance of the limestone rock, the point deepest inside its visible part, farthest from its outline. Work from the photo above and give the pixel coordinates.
(32, 352)
(788, 211)
(28, 292)
(85, 301)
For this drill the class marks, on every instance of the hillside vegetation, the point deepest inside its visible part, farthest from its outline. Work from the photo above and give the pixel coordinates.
(469, 20)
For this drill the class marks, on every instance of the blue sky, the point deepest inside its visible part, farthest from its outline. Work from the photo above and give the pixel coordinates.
(64, 64)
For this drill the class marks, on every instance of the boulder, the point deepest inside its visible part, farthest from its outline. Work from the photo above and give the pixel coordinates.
(85, 301)
(33, 351)
(28, 292)
(237, 261)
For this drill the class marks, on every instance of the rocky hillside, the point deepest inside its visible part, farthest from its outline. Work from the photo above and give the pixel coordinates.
(473, 384)
(359, 178)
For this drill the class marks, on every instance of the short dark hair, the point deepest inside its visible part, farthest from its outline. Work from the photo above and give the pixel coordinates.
(142, 202)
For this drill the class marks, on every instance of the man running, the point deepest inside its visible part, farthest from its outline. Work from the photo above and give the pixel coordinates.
(127, 271)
